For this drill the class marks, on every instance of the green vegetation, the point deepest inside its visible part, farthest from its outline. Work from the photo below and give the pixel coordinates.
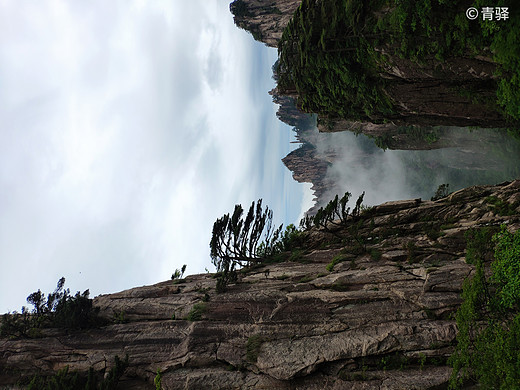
(375, 254)
(157, 380)
(327, 54)
(326, 57)
(196, 312)
(442, 191)
(120, 318)
(397, 361)
(253, 347)
(420, 29)
(428, 134)
(500, 207)
(307, 278)
(411, 250)
(331, 265)
(69, 380)
(489, 317)
(239, 9)
(296, 256)
(58, 310)
(178, 274)
(335, 260)
(235, 241)
(239, 241)
(336, 210)
(247, 243)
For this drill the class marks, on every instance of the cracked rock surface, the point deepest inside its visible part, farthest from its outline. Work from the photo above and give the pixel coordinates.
(381, 319)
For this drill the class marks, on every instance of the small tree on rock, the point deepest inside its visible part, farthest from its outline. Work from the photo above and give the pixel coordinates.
(336, 210)
(237, 241)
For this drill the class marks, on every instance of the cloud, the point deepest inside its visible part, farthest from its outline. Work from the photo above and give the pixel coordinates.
(128, 127)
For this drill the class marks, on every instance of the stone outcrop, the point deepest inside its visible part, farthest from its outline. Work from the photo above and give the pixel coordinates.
(381, 318)
(265, 19)
(308, 167)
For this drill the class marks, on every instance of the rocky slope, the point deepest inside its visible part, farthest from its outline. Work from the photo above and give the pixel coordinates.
(381, 318)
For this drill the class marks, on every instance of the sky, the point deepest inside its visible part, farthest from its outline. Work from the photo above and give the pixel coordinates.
(126, 129)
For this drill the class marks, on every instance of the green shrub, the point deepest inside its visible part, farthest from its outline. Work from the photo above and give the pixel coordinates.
(479, 245)
(336, 259)
(411, 250)
(432, 231)
(375, 254)
(58, 310)
(196, 312)
(489, 317)
(307, 278)
(120, 318)
(290, 239)
(506, 269)
(253, 347)
(73, 380)
(500, 206)
(296, 256)
(442, 191)
(158, 379)
(335, 210)
(177, 275)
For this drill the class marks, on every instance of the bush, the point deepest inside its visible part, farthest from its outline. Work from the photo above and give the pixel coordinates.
(196, 312)
(332, 264)
(335, 210)
(179, 273)
(158, 380)
(253, 347)
(500, 207)
(58, 310)
(236, 241)
(489, 317)
(375, 254)
(73, 380)
(442, 191)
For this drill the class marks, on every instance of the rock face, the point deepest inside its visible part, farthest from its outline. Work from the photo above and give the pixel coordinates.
(307, 167)
(266, 20)
(424, 95)
(380, 318)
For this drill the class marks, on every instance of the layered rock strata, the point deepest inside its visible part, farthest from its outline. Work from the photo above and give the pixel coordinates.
(381, 318)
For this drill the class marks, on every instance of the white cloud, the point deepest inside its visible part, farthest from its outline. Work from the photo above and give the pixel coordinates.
(128, 127)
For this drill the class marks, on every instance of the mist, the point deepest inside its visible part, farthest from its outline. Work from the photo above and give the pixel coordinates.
(357, 165)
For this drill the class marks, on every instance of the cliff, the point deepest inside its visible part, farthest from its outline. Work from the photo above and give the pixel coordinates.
(308, 167)
(266, 20)
(452, 91)
(382, 317)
